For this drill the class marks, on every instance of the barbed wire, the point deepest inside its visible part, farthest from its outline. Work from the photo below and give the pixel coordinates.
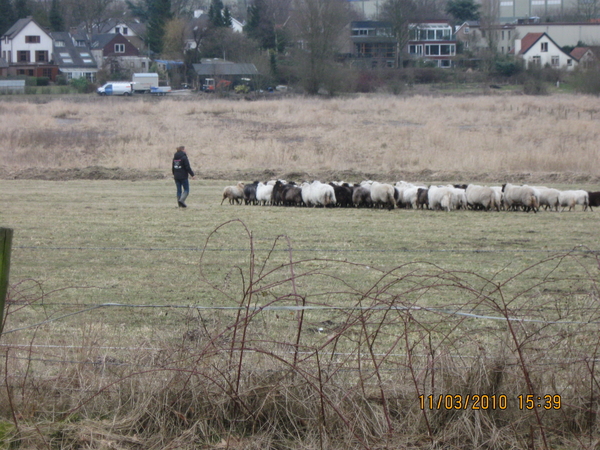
(298, 308)
(578, 249)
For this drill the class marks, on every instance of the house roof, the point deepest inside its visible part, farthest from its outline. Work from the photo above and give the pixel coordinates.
(18, 27)
(529, 40)
(578, 52)
(225, 68)
(69, 56)
(134, 25)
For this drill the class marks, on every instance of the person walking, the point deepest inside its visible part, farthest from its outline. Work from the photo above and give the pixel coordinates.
(181, 170)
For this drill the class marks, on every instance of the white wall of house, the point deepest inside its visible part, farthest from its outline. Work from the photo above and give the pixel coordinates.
(12, 48)
(545, 52)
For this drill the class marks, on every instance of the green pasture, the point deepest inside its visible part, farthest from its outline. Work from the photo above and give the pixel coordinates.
(82, 243)
(116, 310)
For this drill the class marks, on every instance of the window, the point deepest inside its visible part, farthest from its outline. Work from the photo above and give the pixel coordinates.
(502, 36)
(555, 61)
(569, 62)
(47, 73)
(445, 63)
(501, 49)
(415, 49)
(41, 56)
(32, 39)
(80, 43)
(59, 43)
(537, 60)
(117, 30)
(467, 30)
(119, 48)
(433, 50)
(544, 47)
(125, 30)
(23, 56)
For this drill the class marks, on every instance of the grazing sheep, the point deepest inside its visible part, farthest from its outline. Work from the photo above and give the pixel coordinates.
(422, 202)
(292, 196)
(361, 197)
(343, 194)
(383, 195)
(520, 197)
(250, 193)
(263, 193)
(548, 198)
(401, 187)
(481, 197)
(234, 193)
(318, 194)
(572, 198)
(594, 199)
(446, 197)
(499, 196)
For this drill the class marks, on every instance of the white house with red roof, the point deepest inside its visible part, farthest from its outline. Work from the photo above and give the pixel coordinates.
(538, 49)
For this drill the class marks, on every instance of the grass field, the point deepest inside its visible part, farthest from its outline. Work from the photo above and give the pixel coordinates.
(135, 324)
(424, 303)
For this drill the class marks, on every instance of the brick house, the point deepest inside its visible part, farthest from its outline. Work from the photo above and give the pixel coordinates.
(115, 53)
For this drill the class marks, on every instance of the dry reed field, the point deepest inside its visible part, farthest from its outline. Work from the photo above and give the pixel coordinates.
(487, 136)
(134, 324)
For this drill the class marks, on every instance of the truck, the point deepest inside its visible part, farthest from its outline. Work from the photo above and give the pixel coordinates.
(212, 85)
(160, 90)
(116, 88)
(144, 82)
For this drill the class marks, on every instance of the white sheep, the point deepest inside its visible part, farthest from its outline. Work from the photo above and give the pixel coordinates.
(520, 196)
(263, 193)
(318, 194)
(481, 197)
(572, 198)
(548, 197)
(234, 193)
(383, 195)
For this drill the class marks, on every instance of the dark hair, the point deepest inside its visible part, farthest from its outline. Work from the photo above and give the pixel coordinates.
(180, 148)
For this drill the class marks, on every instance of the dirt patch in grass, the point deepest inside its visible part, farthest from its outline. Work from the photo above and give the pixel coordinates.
(424, 176)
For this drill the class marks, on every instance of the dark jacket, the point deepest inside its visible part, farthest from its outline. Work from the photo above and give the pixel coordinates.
(181, 166)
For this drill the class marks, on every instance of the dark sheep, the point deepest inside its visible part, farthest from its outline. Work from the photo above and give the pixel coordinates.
(361, 197)
(292, 196)
(250, 193)
(594, 199)
(277, 194)
(343, 194)
(423, 198)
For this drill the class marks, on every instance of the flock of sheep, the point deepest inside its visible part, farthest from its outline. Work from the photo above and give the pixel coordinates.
(408, 195)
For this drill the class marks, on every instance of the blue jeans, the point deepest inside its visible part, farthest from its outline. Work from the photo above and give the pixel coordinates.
(182, 185)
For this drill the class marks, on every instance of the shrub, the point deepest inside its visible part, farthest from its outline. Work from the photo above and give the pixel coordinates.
(82, 85)
(42, 81)
(587, 81)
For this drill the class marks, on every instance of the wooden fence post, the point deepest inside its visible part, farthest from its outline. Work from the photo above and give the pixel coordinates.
(5, 247)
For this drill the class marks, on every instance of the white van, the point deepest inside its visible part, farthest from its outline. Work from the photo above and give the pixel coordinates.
(116, 88)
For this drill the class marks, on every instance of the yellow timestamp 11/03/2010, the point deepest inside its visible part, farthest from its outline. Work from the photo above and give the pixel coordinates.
(488, 402)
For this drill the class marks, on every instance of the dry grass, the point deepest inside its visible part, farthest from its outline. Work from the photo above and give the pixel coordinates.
(376, 134)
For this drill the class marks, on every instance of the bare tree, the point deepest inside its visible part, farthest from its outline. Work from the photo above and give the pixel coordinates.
(91, 13)
(319, 26)
(400, 14)
(488, 20)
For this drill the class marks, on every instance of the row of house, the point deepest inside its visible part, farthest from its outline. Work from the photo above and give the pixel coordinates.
(27, 49)
(437, 42)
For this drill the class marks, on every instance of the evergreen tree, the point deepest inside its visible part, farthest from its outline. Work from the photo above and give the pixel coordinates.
(7, 16)
(22, 9)
(159, 13)
(218, 16)
(463, 10)
(57, 22)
